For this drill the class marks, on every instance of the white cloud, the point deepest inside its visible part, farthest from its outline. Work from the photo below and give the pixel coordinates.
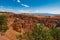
(18, 1)
(3, 9)
(54, 12)
(41, 10)
(24, 11)
(25, 5)
(46, 10)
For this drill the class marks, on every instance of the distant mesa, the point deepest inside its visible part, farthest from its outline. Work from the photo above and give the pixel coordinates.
(39, 14)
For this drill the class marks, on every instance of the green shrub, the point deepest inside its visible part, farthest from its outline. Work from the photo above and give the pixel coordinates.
(25, 36)
(19, 37)
(3, 28)
(55, 33)
(3, 23)
(41, 32)
(58, 34)
(2, 19)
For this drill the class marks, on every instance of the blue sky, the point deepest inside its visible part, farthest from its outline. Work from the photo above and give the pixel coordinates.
(30, 6)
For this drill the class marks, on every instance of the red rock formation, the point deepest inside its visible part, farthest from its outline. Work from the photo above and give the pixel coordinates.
(29, 21)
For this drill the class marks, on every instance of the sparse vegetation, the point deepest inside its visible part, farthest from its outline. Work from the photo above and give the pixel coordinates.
(19, 37)
(41, 33)
(3, 24)
(58, 34)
